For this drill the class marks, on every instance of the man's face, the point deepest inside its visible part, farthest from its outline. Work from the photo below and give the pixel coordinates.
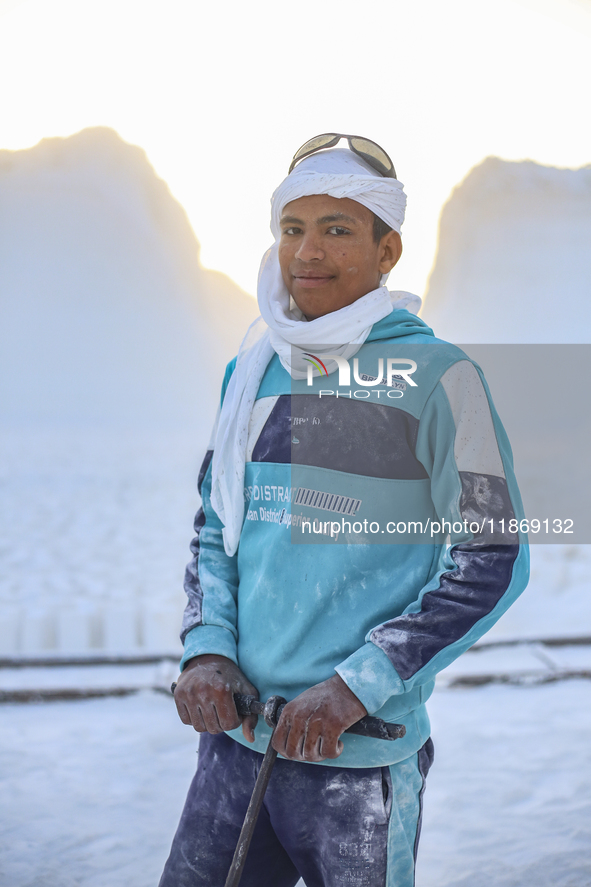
(327, 253)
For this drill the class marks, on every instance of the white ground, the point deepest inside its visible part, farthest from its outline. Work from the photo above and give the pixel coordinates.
(508, 802)
(92, 791)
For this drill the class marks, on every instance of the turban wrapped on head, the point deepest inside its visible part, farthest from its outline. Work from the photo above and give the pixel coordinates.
(341, 173)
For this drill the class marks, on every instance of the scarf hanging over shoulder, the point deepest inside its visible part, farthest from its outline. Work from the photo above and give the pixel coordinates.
(282, 328)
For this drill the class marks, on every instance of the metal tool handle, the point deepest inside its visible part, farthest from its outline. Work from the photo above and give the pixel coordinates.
(375, 728)
(256, 801)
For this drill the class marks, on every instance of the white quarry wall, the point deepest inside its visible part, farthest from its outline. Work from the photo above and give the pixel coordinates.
(108, 317)
(513, 262)
(513, 265)
(113, 342)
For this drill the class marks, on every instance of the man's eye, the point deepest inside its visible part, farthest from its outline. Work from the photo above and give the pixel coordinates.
(338, 230)
(292, 230)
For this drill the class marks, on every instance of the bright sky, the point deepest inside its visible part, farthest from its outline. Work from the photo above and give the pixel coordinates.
(220, 95)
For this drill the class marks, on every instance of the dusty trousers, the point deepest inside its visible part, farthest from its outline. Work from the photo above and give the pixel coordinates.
(330, 826)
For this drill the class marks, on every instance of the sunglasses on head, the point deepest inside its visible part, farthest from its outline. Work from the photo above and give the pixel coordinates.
(365, 148)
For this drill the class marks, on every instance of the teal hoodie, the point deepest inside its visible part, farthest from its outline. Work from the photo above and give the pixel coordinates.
(380, 539)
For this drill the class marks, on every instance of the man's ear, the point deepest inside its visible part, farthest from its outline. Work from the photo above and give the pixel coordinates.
(390, 250)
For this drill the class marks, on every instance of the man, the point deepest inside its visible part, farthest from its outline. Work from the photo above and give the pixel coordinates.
(363, 623)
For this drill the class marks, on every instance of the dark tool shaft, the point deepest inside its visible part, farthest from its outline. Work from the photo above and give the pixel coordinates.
(375, 728)
(251, 817)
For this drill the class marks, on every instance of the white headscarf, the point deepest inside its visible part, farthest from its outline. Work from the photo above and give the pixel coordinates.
(283, 329)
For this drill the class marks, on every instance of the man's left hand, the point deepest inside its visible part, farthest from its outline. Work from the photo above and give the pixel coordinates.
(310, 725)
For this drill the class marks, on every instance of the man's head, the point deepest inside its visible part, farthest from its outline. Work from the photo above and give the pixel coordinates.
(337, 222)
(329, 253)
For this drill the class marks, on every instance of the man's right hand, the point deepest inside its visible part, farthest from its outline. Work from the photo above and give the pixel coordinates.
(204, 695)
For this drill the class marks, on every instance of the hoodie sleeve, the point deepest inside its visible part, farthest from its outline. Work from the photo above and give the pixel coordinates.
(485, 566)
(211, 577)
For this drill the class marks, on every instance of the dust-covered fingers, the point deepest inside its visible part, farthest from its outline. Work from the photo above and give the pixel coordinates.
(321, 741)
(292, 736)
(281, 734)
(196, 710)
(187, 708)
(225, 710)
(210, 717)
(294, 746)
(312, 744)
(195, 718)
(248, 726)
(330, 746)
(183, 712)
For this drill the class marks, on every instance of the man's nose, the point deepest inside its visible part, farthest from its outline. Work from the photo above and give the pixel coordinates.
(310, 248)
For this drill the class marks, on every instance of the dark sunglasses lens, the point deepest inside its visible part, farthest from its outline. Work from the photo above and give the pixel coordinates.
(377, 154)
(315, 144)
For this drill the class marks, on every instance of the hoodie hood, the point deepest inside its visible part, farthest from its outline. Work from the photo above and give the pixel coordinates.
(398, 323)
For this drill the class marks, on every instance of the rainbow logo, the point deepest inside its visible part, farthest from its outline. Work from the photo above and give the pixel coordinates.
(315, 361)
